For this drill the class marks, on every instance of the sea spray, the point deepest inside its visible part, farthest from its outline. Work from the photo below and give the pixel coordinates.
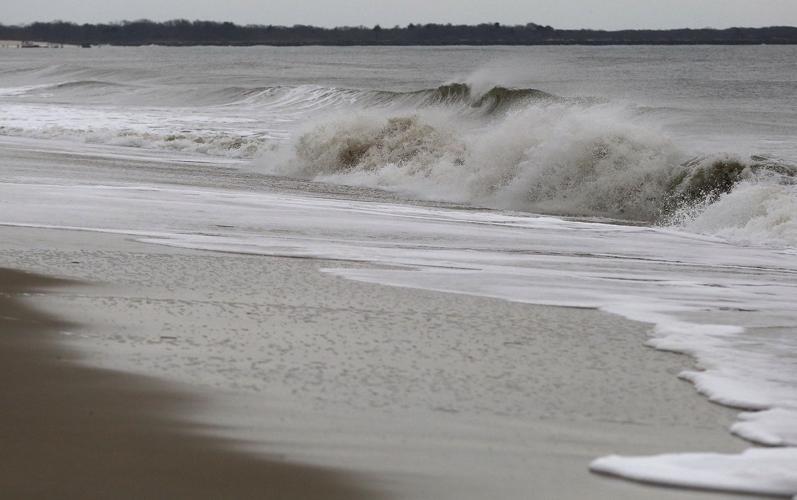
(551, 156)
(755, 212)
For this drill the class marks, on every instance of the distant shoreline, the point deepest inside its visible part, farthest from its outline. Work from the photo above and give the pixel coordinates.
(197, 33)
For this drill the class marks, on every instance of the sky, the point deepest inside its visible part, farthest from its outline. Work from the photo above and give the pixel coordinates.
(597, 14)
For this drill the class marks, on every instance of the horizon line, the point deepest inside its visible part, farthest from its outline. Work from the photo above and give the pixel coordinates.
(384, 26)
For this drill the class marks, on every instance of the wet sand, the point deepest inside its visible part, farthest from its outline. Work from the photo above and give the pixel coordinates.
(443, 426)
(72, 432)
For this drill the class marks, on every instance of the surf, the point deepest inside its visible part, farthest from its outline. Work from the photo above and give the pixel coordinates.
(546, 155)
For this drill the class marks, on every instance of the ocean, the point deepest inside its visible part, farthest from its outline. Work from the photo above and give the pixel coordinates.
(657, 184)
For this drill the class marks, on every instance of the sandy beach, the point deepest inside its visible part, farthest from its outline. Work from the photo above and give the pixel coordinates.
(69, 431)
(137, 438)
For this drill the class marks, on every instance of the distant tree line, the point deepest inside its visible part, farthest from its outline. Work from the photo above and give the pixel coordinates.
(183, 32)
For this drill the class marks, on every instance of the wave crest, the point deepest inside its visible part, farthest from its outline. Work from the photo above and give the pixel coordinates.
(493, 99)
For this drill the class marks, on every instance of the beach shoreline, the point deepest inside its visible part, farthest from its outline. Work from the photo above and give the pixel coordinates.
(554, 452)
(277, 260)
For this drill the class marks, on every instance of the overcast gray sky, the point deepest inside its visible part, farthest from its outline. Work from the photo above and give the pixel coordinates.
(607, 14)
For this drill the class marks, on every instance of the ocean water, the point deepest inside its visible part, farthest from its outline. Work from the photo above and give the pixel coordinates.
(656, 183)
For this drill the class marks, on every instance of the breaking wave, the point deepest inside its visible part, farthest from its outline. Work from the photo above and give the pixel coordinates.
(549, 155)
(76, 86)
(295, 98)
(226, 145)
(453, 96)
(756, 211)
(494, 99)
